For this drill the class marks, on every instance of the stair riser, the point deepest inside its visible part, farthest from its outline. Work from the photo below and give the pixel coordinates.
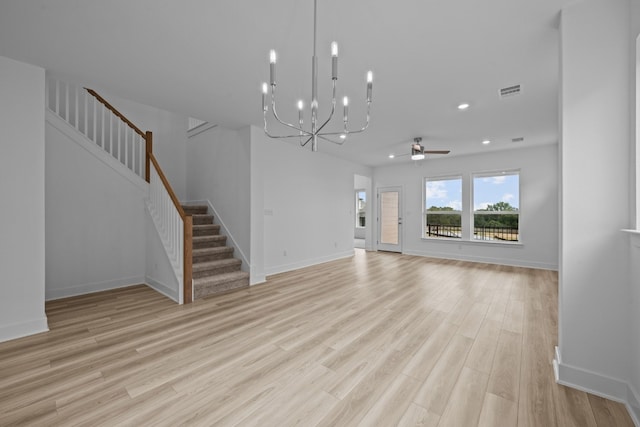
(209, 243)
(203, 291)
(214, 271)
(210, 231)
(202, 220)
(211, 257)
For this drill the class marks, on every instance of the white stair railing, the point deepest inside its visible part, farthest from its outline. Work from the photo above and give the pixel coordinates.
(168, 222)
(100, 122)
(86, 112)
(173, 225)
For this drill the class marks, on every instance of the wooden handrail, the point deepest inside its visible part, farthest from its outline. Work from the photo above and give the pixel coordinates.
(114, 111)
(187, 253)
(166, 184)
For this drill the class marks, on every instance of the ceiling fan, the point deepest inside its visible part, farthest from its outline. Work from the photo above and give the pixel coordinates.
(418, 151)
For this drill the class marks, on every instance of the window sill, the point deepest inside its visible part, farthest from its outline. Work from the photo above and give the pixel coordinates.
(473, 242)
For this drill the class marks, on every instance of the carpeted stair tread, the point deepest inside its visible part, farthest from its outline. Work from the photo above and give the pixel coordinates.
(212, 268)
(221, 278)
(202, 219)
(217, 264)
(220, 283)
(200, 242)
(213, 250)
(195, 209)
(206, 229)
(211, 254)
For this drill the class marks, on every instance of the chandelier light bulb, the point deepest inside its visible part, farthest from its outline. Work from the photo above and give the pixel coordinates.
(334, 61)
(265, 88)
(345, 102)
(300, 112)
(272, 67)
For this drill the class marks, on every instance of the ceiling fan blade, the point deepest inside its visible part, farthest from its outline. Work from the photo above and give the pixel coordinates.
(437, 151)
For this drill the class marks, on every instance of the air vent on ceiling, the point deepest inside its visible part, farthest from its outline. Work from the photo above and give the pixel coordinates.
(518, 139)
(510, 91)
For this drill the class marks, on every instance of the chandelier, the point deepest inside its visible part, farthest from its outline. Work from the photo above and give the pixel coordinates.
(314, 133)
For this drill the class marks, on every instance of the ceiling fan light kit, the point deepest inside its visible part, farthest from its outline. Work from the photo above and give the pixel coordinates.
(315, 133)
(417, 150)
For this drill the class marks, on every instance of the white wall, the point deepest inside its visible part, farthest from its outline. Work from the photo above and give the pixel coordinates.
(169, 137)
(307, 203)
(257, 241)
(538, 205)
(594, 311)
(95, 217)
(218, 171)
(22, 191)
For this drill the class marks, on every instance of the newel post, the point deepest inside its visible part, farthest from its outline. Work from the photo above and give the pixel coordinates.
(188, 259)
(149, 149)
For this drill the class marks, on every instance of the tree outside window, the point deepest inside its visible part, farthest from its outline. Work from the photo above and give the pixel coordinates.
(496, 206)
(443, 208)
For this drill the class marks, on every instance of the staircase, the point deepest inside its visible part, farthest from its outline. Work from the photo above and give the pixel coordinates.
(214, 269)
(201, 262)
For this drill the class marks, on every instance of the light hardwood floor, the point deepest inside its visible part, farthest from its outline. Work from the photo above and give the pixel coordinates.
(375, 340)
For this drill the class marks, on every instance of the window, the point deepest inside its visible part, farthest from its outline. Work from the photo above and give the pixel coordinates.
(496, 206)
(443, 208)
(361, 204)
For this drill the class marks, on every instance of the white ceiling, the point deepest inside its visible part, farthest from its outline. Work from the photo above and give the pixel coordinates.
(206, 59)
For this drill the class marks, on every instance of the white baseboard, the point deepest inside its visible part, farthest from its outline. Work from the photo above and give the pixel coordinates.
(597, 384)
(23, 329)
(485, 260)
(307, 263)
(71, 291)
(162, 288)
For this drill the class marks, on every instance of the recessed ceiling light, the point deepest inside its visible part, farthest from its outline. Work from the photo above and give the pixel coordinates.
(463, 106)
(486, 142)
(391, 156)
(343, 136)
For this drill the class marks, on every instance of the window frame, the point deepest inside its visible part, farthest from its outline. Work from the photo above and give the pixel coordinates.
(426, 212)
(473, 211)
(357, 208)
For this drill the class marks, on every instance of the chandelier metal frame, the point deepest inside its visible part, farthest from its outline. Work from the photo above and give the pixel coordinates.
(315, 133)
